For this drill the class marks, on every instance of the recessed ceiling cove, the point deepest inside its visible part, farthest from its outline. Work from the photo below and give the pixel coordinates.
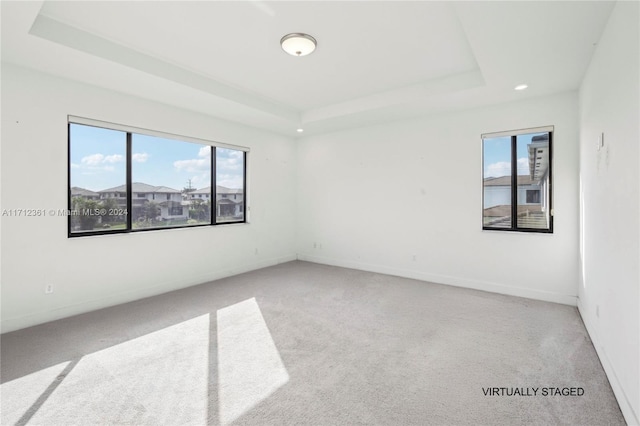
(374, 61)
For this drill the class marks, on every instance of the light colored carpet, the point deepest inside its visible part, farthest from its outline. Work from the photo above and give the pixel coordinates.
(301, 343)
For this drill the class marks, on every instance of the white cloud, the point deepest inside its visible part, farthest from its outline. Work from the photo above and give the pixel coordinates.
(98, 159)
(201, 180)
(205, 152)
(228, 164)
(192, 166)
(228, 167)
(97, 163)
(523, 166)
(229, 180)
(196, 165)
(236, 154)
(92, 160)
(115, 158)
(503, 168)
(140, 157)
(229, 170)
(229, 160)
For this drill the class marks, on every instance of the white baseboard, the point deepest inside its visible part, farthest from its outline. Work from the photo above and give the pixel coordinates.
(29, 320)
(623, 401)
(445, 279)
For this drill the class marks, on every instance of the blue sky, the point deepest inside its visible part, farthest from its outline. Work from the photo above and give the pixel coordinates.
(98, 161)
(497, 155)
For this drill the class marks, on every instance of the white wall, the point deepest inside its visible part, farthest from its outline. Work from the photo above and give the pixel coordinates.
(401, 198)
(373, 198)
(94, 272)
(610, 216)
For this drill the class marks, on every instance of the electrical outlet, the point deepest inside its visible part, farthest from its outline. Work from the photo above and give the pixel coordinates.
(597, 311)
(48, 289)
(315, 245)
(414, 258)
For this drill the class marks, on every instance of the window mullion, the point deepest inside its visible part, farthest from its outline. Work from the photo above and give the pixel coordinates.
(244, 187)
(549, 193)
(69, 196)
(129, 184)
(214, 191)
(514, 183)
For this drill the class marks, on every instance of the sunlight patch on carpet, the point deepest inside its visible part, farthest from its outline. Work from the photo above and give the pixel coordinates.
(160, 377)
(21, 395)
(249, 364)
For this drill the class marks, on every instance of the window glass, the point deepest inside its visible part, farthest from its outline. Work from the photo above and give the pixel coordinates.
(166, 168)
(122, 181)
(497, 182)
(533, 179)
(230, 181)
(517, 181)
(98, 176)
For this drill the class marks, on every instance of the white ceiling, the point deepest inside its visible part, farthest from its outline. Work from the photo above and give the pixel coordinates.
(376, 61)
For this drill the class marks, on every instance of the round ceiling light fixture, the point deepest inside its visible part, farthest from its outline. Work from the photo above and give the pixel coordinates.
(298, 44)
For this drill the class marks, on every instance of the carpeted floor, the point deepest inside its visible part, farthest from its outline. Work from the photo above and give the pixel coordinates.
(301, 343)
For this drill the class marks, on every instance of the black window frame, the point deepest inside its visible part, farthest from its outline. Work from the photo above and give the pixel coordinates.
(514, 181)
(130, 131)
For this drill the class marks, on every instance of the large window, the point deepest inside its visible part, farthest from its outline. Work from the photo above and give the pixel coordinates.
(125, 180)
(517, 180)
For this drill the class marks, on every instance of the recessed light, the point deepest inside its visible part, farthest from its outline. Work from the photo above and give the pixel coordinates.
(521, 87)
(298, 44)
(300, 130)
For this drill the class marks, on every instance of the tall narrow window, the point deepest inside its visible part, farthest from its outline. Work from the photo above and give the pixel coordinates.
(517, 181)
(497, 183)
(230, 185)
(97, 178)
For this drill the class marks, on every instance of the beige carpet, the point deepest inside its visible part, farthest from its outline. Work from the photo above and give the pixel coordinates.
(301, 343)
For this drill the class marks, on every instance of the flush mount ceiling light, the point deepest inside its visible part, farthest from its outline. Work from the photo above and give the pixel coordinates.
(520, 87)
(300, 130)
(298, 44)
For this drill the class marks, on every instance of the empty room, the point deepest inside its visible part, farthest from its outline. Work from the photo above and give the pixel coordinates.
(320, 213)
